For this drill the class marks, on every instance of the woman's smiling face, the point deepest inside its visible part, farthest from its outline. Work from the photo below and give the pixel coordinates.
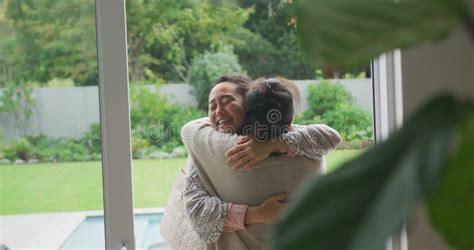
(226, 111)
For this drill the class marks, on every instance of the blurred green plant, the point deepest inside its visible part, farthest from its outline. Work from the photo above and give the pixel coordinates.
(456, 185)
(421, 161)
(351, 33)
(206, 68)
(383, 184)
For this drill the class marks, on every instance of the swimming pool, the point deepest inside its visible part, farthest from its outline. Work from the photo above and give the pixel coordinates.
(90, 233)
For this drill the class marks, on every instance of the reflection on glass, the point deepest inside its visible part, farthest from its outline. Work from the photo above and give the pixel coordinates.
(50, 141)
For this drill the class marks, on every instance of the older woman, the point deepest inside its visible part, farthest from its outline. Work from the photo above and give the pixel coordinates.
(211, 181)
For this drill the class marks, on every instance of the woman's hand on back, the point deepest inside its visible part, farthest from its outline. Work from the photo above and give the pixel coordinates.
(247, 152)
(269, 211)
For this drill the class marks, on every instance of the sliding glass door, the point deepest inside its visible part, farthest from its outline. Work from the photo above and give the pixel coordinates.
(94, 94)
(51, 182)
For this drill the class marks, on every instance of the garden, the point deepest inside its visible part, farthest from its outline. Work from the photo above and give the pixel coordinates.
(49, 174)
(156, 122)
(77, 186)
(191, 42)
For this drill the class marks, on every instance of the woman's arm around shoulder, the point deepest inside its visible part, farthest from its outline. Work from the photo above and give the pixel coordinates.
(313, 141)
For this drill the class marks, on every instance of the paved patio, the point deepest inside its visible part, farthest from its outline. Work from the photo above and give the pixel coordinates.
(45, 231)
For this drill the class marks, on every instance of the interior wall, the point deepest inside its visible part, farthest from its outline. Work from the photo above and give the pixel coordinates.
(427, 70)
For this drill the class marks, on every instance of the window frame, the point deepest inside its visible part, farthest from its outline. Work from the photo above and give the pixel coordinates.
(115, 124)
(388, 113)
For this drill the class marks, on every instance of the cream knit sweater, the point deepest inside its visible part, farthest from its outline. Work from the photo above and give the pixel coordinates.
(276, 174)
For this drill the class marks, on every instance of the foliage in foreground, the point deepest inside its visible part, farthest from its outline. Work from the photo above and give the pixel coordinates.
(351, 33)
(383, 184)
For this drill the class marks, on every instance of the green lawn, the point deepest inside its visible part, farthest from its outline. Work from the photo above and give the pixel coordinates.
(77, 186)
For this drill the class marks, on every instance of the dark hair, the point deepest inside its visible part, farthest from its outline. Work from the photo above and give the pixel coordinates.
(243, 82)
(269, 107)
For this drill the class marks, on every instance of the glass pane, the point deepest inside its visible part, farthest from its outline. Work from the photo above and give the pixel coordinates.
(50, 150)
(178, 48)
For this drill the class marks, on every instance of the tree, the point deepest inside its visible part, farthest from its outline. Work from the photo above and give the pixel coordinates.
(57, 39)
(276, 50)
(206, 68)
(166, 41)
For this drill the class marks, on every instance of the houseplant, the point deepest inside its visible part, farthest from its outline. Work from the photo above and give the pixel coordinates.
(362, 203)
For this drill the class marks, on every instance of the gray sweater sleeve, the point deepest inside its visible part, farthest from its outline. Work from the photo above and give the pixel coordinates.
(206, 213)
(312, 141)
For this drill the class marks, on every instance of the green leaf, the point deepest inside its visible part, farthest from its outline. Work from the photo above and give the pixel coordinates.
(351, 33)
(361, 204)
(452, 206)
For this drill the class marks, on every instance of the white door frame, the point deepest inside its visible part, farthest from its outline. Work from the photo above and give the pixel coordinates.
(115, 123)
(388, 113)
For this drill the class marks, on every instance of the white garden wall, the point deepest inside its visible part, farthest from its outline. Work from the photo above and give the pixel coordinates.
(69, 111)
